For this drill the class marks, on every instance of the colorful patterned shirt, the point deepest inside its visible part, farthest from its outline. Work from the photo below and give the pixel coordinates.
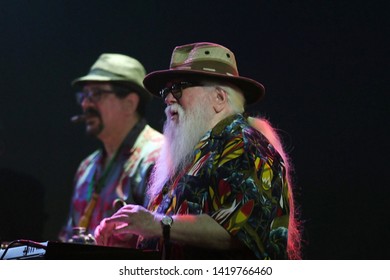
(124, 178)
(239, 179)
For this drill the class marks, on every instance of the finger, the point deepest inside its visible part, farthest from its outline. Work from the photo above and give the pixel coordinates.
(99, 237)
(103, 232)
(129, 209)
(123, 229)
(118, 219)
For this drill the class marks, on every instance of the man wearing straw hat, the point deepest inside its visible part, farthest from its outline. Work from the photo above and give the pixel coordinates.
(113, 100)
(220, 188)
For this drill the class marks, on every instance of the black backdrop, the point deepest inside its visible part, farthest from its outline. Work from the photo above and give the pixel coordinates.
(324, 65)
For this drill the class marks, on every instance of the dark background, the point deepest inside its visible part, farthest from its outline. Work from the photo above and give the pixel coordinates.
(324, 65)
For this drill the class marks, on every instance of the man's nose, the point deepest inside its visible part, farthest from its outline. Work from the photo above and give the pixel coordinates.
(86, 103)
(169, 99)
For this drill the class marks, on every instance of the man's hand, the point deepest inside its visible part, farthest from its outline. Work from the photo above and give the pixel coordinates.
(128, 221)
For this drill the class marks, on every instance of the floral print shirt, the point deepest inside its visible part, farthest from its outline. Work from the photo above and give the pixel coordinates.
(239, 179)
(125, 178)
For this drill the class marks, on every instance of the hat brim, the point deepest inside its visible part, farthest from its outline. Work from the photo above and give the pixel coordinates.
(155, 81)
(79, 82)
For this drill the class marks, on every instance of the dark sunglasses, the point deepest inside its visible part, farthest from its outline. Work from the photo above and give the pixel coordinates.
(176, 89)
(93, 95)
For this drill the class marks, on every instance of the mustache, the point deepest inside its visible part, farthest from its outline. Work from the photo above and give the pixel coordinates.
(174, 108)
(89, 112)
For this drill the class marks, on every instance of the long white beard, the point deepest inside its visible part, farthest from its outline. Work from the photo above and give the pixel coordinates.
(180, 140)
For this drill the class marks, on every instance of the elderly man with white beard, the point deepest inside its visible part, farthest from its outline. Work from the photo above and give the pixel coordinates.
(221, 186)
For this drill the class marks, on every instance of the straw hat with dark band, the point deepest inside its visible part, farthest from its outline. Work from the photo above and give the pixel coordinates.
(204, 61)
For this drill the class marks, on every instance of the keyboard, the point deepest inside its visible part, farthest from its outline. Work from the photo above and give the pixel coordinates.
(72, 251)
(23, 252)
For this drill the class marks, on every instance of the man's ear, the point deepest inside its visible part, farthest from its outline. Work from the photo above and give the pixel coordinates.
(131, 102)
(220, 99)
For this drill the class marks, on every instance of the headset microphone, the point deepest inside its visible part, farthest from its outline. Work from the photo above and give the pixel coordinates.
(77, 119)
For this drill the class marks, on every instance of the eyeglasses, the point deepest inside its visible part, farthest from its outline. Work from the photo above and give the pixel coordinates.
(92, 95)
(176, 89)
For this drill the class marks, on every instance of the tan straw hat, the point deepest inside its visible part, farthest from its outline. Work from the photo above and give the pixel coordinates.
(119, 69)
(204, 61)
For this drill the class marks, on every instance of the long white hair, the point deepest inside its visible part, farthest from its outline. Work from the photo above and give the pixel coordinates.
(237, 102)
